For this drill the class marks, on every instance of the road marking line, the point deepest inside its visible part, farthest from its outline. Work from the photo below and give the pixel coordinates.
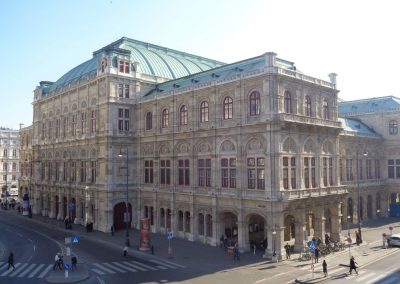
(134, 266)
(336, 270)
(35, 271)
(9, 271)
(173, 263)
(125, 267)
(161, 267)
(98, 271)
(104, 268)
(144, 265)
(371, 274)
(41, 275)
(18, 270)
(113, 267)
(162, 263)
(27, 270)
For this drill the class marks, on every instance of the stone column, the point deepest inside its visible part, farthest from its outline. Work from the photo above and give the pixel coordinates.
(78, 210)
(156, 225)
(300, 229)
(336, 222)
(60, 208)
(320, 222)
(52, 213)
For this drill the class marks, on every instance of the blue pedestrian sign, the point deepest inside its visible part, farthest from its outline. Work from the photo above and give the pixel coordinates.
(75, 239)
(312, 245)
(170, 235)
(67, 266)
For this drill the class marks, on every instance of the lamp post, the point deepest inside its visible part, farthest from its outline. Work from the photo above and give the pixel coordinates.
(274, 248)
(348, 234)
(127, 217)
(358, 193)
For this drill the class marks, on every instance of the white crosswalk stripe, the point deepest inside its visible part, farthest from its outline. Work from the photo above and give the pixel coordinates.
(8, 271)
(18, 270)
(28, 270)
(41, 275)
(33, 273)
(133, 266)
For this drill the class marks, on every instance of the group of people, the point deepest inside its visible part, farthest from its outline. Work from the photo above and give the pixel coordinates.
(59, 262)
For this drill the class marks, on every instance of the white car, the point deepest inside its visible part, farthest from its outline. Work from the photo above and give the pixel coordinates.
(394, 240)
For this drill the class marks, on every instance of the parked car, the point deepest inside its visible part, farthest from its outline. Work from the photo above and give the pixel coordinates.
(394, 240)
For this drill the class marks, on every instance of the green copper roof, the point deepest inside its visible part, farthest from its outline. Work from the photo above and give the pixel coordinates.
(153, 60)
(357, 127)
(357, 107)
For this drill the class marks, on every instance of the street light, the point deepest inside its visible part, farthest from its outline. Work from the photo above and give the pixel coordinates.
(273, 237)
(121, 154)
(365, 153)
(348, 234)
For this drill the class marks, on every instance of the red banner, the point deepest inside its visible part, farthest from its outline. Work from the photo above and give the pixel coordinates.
(145, 234)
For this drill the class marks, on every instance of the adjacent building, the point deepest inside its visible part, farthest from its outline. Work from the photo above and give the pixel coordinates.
(254, 150)
(9, 169)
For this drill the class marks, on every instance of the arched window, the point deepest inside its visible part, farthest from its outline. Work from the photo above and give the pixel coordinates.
(201, 224)
(255, 103)
(164, 118)
(288, 102)
(228, 108)
(325, 110)
(204, 112)
(183, 115)
(393, 129)
(149, 121)
(308, 106)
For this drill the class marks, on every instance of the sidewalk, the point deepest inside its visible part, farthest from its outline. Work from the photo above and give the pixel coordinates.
(191, 253)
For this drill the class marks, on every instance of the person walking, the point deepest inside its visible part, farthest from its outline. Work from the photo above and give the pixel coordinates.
(125, 251)
(353, 265)
(74, 261)
(56, 258)
(287, 249)
(325, 268)
(11, 261)
(112, 230)
(316, 253)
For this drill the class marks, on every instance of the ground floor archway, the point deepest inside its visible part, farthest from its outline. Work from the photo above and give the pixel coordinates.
(120, 216)
(256, 231)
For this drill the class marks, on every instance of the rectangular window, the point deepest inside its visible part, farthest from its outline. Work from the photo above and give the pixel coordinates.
(121, 90)
(330, 170)
(83, 122)
(325, 171)
(57, 168)
(65, 126)
(293, 172)
(121, 66)
(127, 67)
(73, 125)
(123, 119)
(83, 172)
(377, 169)
(204, 171)
(58, 128)
(14, 152)
(390, 168)
(65, 164)
(165, 172)
(285, 172)
(256, 173)
(127, 91)
(73, 172)
(306, 173)
(148, 171)
(93, 125)
(183, 172)
(369, 169)
(398, 168)
(93, 171)
(349, 170)
(360, 169)
(228, 173)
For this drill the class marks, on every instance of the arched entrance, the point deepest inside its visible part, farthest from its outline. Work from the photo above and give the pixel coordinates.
(256, 230)
(119, 214)
(369, 207)
(289, 231)
(350, 209)
(378, 204)
(230, 228)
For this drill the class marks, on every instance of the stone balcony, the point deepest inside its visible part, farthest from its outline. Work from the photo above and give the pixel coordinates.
(305, 120)
(312, 192)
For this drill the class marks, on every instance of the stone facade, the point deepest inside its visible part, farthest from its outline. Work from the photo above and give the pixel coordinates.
(9, 170)
(254, 150)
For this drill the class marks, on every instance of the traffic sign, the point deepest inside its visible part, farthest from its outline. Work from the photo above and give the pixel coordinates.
(71, 206)
(170, 235)
(75, 239)
(67, 266)
(312, 245)
(67, 241)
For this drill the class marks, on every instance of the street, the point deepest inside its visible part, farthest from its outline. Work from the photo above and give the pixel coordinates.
(35, 242)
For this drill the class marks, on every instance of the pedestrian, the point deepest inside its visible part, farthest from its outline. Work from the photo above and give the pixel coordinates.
(66, 222)
(60, 263)
(55, 261)
(358, 239)
(316, 253)
(152, 249)
(74, 261)
(11, 261)
(287, 249)
(112, 230)
(125, 251)
(325, 268)
(353, 265)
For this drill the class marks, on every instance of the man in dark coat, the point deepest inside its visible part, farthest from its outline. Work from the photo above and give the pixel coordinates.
(353, 265)
(11, 261)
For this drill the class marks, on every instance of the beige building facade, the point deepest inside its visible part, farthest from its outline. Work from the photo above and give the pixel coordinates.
(253, 150)
(9, 168)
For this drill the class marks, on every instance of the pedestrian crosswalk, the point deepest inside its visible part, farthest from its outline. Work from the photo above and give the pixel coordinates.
(28, 270)
(133, 266)
(35, 270)
(364, 276)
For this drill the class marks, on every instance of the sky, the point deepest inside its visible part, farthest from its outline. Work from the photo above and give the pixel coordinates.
(40, 40)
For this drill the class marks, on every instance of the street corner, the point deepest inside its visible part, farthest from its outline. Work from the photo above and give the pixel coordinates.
(81, 273)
